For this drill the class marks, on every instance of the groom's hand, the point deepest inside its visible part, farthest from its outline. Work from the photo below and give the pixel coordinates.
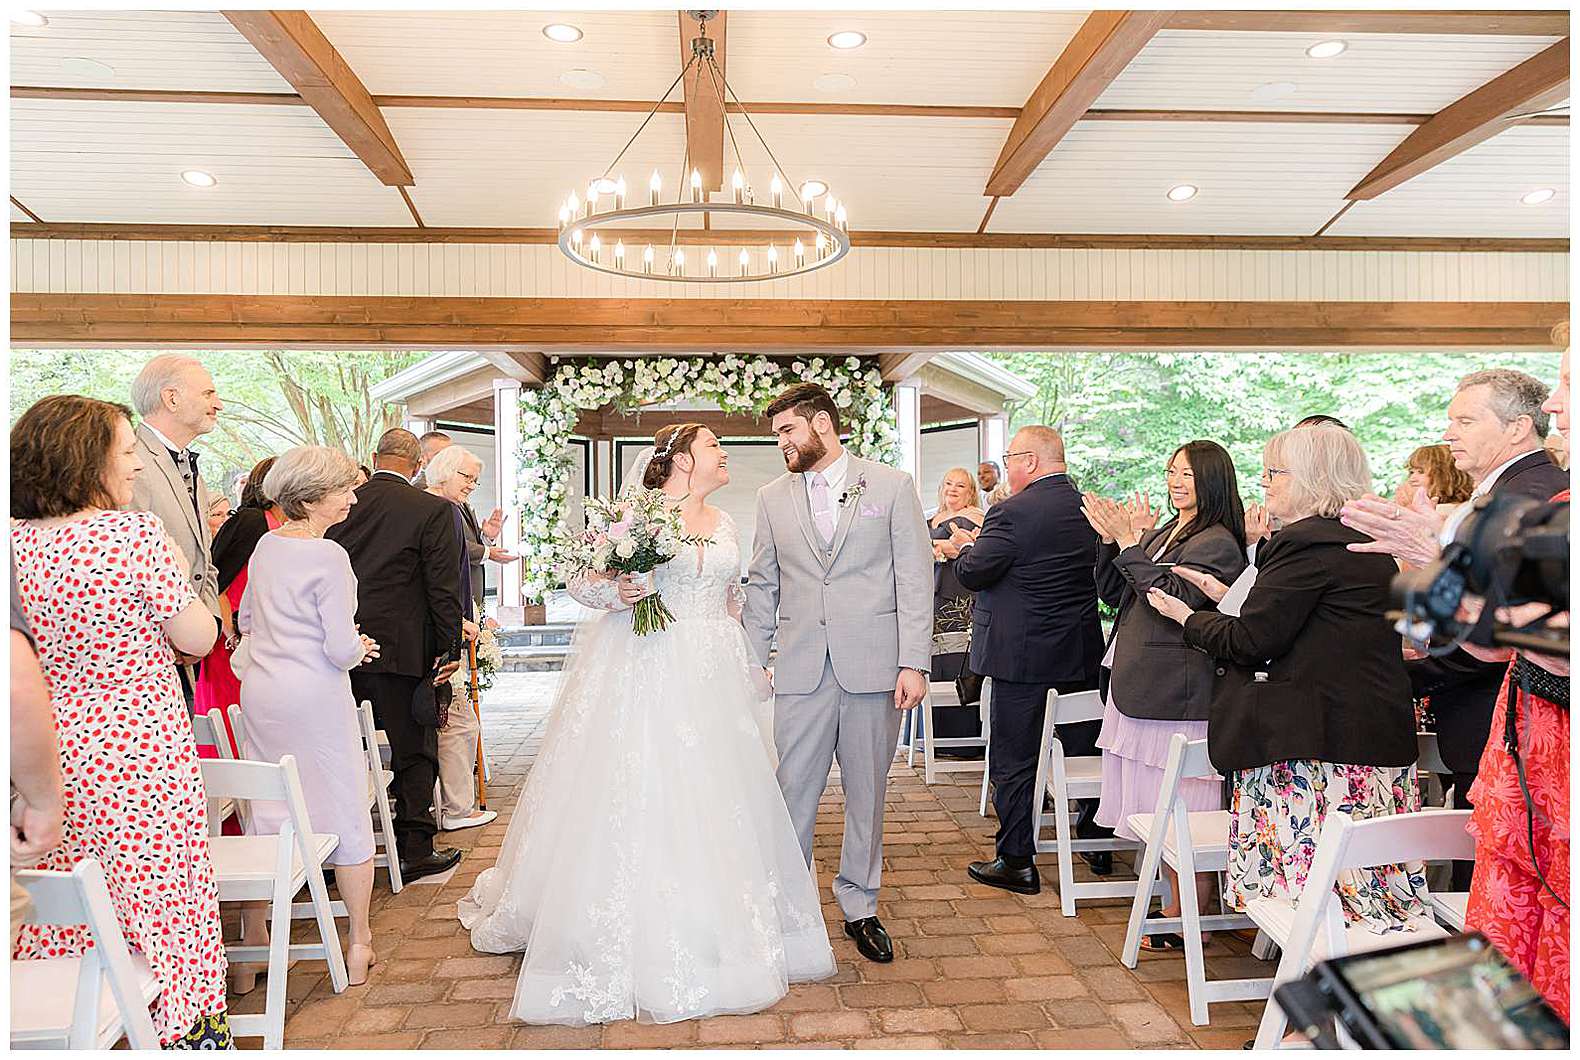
(909, 689)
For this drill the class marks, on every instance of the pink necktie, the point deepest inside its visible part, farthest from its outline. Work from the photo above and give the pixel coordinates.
(822, 511)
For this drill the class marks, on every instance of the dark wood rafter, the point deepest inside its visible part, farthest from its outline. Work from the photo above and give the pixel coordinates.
(1330, 222)
(552, 325)
(530, 368)
(1098, 53)
(406, 198)
(732, 237)
(18, 204)
(1538, 82)
(988, 216)
(704, 101)
(295, 46)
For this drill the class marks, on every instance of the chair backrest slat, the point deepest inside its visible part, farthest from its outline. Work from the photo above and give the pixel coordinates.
(1075, 706)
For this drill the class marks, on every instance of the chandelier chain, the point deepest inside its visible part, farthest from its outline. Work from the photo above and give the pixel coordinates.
(753, 126)
(661, 101)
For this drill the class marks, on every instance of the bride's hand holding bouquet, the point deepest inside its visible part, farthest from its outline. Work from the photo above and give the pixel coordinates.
(624, 537)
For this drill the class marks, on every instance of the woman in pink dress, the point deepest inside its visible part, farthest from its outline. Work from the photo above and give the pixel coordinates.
(107, 595)
(217, 686)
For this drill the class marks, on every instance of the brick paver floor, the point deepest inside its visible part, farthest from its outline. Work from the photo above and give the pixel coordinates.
(975, 967)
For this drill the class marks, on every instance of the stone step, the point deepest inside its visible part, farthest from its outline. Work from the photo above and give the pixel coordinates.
(535, 658)
(535, 636)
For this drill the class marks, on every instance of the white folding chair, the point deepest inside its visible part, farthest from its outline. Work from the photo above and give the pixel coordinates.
(943, 694)
(1067, 780)
(274, 868)
(986, 709)
(1188, 842)
(62, 1002)
(379, 781)
(1450, 909)
(207, 730)
(1313, 929)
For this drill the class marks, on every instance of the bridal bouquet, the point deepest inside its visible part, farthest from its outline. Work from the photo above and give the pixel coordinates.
(628, 535)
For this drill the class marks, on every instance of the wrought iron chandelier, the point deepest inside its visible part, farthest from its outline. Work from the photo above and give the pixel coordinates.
(815, 230)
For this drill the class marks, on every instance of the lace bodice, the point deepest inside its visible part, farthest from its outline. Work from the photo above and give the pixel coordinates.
(692, 585)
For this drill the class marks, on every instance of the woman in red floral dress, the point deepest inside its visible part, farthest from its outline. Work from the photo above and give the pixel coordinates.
(106, 594)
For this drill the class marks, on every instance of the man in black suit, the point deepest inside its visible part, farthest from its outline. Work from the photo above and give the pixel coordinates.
(1033, 627)
(407, 560)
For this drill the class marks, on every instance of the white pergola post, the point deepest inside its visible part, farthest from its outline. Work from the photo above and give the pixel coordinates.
(507, 436)
(419, 425)
(993, 438)
(908, 416)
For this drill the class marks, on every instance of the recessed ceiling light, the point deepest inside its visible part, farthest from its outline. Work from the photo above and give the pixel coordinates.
(562, 33)
(813, 189)
(28, 18)
(833, 83)
(1182, 192)
(582, 78)
(1537, 197)
(77, 66)
(606, 185)
(1273, 90)
(846, 39)
(1327, 49)
(198, 179)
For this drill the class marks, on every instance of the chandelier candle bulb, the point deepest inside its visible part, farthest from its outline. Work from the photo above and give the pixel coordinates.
(822, 245)
(773, 258)
(778, 189)
(619, 194)
(800, 254)
(594, 247)
(680, 262)
(746, 261)
(576, 238)
(619, 254)
(647, 258)
(839, 216)
(574, 205)
(565, 216)
(654, 186)
(696, 186)
(739, 183)
(828, 207)
(713, 262)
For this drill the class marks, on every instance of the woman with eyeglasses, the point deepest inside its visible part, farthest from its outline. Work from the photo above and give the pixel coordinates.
(1310, 710)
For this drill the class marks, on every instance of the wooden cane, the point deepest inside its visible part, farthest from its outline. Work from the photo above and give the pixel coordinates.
(482, 790)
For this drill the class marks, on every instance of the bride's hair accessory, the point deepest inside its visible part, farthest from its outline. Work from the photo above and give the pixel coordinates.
(676, 441)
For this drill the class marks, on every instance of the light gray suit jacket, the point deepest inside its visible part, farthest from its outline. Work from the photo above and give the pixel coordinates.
(866, 602)
(159, 489)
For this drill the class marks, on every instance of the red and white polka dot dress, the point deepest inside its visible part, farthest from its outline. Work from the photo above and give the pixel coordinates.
(96, 592)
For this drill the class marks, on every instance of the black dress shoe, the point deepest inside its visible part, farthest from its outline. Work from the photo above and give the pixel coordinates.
(1101, 862)
(872, 942)
(438, 860)
(998, 873)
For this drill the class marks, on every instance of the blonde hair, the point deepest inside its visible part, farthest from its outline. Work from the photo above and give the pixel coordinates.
(973, 493)
(1327, 468)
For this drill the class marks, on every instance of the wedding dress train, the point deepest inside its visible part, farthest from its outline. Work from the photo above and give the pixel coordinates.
(651, 870)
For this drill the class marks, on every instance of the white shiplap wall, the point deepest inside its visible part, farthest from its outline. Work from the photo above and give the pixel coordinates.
(47, 266)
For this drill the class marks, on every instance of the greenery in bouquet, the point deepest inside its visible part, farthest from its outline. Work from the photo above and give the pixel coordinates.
(631, 534)
(489, 659)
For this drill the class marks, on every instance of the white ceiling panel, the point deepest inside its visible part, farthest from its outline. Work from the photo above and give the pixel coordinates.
(1255, 179)
(514, 168)
(1477, 193)
(634, 54)
(176, 50)
(97, 161)
(960, 58)
(1404, 73)
(18, 215)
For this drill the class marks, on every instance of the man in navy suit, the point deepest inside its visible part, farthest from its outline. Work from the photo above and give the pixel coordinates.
(1033, 627)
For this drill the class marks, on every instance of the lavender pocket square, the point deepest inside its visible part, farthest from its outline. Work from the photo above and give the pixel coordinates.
(871, 511)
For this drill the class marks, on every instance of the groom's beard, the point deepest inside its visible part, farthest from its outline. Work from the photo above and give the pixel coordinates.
(805, 457)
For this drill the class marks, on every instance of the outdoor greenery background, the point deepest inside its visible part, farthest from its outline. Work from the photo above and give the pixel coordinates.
(1122, 414)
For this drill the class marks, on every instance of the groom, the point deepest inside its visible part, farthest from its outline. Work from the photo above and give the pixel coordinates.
(842, 572)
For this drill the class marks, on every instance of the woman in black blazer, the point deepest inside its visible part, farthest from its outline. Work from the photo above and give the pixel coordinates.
(1311, 707)
(1153, 685)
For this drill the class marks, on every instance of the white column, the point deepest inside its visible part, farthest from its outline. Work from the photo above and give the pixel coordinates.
(419, 425)
(993, 437)
(507, 439)
(908, 416)
(603, 480)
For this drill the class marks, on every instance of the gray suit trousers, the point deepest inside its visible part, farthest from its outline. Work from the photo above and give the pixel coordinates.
(860, 730)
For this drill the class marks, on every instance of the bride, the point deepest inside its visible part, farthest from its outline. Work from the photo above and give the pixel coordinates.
(651, 870)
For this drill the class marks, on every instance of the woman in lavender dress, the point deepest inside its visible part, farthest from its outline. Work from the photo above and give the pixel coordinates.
(1153, 685)
(300, 642)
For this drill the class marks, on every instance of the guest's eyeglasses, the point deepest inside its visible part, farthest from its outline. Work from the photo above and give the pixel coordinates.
(1023, 452)
(1269, 472)
(470, 478)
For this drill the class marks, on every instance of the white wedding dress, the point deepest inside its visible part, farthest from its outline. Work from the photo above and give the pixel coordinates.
(651, 870)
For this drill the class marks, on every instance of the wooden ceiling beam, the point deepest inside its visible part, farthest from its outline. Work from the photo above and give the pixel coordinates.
(1553, 23)
(556, 325)
(1538, 82)
(1099, 51)
(704, 102)
(295, 46)
(735, 237)
(898, 367)
(523, 367)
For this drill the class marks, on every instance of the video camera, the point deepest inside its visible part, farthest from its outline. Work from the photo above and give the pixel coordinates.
(1511, 550)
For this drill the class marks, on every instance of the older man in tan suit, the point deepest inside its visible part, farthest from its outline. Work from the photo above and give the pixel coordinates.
(176, 399)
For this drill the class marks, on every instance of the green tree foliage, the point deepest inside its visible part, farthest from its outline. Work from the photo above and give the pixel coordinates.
(274, 399)
(1122, 414)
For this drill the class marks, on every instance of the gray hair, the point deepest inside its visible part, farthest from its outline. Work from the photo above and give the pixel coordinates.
(1046, 442)
(306, 475)
(446, 463)
(157, 376)
(1327, 467)
(1512, 395)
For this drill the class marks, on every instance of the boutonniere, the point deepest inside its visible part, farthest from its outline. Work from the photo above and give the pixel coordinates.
(853, 491)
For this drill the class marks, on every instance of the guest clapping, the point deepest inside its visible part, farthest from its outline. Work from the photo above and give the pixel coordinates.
(109, 599)
(300, 641)
(1153, 684)
(1311, 707)
(452, 476)
(958, 506)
